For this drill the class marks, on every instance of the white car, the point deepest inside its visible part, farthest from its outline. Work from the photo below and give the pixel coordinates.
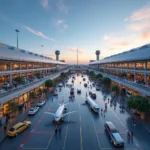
(60, 85)
(5, 85)
(40, 103)
(33, 110)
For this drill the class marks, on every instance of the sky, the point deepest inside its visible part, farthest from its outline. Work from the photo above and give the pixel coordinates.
(111, 26)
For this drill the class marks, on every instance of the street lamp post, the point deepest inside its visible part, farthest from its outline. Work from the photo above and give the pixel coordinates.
(17, 31)
(77, 57)
(42, 50)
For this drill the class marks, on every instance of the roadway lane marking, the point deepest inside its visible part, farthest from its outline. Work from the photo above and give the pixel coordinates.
(21, 145)
(66, 133)
(81, 147)
(96, 135)
(45, 148)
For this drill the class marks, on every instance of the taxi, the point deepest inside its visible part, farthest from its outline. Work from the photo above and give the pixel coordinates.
(18, 128)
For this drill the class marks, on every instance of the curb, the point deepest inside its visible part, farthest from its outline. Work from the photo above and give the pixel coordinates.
(6, 135)
(128, 111)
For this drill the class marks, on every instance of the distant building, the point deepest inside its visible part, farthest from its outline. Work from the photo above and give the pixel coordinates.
(92, 61)
(62, 60)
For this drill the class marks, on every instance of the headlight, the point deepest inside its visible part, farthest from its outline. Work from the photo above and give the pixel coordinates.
(115, 143)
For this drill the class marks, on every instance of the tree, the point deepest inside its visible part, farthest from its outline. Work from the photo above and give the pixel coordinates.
(106, 81)
(19, 79)
(39, 91)
(139, 103)
(12, 107)
(38, 75)
(115, 88)
(32, 96)
(99, 76)
(48, 83)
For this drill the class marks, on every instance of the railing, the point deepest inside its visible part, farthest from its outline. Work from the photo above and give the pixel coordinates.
(30, 83)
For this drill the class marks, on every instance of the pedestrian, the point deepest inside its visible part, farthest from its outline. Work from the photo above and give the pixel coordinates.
(132, 134)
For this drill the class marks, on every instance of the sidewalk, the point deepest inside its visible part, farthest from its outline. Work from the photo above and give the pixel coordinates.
(20, 116)
(145, 123)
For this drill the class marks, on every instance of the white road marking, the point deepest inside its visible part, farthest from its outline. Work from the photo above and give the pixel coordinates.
(21, 145)
(81, 147)
(32, 130)
(66, 133)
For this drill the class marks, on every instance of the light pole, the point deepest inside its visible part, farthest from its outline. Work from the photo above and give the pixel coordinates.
(77, 57)
(42, 50)
(17, 31)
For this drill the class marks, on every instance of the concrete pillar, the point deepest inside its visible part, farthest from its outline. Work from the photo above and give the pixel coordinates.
(10, 77)
(145, 75)
(134, 71)
(20, 69)
(27, 71)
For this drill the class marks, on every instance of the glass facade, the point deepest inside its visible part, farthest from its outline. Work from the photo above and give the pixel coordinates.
(140, 65)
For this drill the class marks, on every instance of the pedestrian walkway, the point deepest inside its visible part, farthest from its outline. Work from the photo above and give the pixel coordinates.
(144, 122)
(20, 116)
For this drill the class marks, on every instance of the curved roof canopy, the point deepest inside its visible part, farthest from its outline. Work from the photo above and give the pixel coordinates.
(140, 53)
(8, 52)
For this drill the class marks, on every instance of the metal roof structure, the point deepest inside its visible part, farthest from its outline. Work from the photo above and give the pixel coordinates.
(8, 52)
(139, 53)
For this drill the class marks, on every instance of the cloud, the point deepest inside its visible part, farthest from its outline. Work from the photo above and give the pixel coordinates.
(141, 26)
(139, 15)
(137, 33)
(61, 25)
(59, 22)
(38, 33)
(44, 4)
(49, 55)
(62, 6)
(75, 50)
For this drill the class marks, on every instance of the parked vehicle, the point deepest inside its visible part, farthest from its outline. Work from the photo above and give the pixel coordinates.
(85, 84)
(5, 85)
(97, 88)
(40, 103)
(93, 95)
(18, 128)
(60, 85)
(113, 134)
(33, 110)
(55, 94)
(79, 91)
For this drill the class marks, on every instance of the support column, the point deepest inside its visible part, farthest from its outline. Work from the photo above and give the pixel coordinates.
(134, 71)
(10, 76)
(20, 69)
(145, 75)
(27, 71)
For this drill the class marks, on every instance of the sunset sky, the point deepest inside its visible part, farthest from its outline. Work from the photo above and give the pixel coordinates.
(111, 26)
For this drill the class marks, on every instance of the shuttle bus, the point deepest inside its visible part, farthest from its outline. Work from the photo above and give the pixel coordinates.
(92, 104)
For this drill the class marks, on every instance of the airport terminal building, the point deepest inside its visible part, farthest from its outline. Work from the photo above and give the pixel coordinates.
(130, 69)
(17, 62)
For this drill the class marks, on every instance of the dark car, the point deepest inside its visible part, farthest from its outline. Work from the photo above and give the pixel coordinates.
(84, 79)
(113, 134)
(93, 95)
(79, 91)
(85, 84)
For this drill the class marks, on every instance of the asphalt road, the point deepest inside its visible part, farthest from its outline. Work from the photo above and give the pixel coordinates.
(83, 130)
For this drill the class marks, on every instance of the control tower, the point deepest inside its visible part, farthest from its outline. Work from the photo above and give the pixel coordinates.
(97, 54)
(57, 52)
